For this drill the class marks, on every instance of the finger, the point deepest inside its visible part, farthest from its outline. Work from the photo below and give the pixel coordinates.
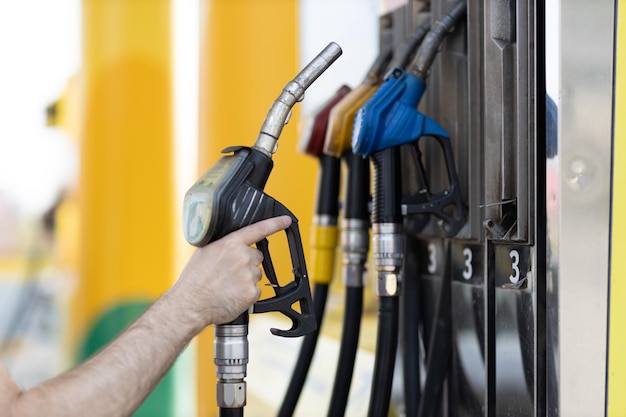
(259, 259)
(256, 256)
(262, 229)
(258, 275)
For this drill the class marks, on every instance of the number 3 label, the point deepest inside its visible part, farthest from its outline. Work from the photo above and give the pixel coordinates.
(468, 271)
(514, 255)
(432, 258)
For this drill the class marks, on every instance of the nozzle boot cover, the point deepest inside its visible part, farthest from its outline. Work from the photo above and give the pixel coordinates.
(390, 117)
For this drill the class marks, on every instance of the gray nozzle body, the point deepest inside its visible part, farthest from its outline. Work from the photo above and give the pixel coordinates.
(293, 92)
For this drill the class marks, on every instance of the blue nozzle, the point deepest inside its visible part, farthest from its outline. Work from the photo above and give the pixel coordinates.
(390, 118)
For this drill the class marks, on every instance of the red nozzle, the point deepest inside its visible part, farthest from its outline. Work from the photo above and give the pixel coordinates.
(315, 144)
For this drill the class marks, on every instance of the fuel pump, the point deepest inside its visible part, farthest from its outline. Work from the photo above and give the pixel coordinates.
(386, 122)
(355, 234)
(323, 243)
(230, 196)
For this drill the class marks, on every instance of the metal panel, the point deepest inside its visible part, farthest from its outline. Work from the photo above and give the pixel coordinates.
(540, 342)
(578, 209)
(616, 381)
(468, 376)
(509, 92)
(515, 348)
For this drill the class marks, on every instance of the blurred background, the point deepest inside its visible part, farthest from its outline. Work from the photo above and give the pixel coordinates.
(109, 111)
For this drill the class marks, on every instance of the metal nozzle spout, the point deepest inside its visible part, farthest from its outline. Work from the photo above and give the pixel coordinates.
(293, 92)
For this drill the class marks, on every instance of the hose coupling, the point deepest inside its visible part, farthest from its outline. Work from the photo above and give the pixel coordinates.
(387, 246)
(355, 245)
(388, 252)
(231, 394)
(231, 360)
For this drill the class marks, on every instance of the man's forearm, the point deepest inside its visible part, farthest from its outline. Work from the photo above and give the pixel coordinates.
(218, 283)
(116, 380)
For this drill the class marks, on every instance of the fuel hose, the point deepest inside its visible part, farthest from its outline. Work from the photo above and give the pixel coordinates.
(355, 245)
(388, 252)
(323, 242)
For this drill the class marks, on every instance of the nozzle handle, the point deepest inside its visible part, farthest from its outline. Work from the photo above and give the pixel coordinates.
(446, 205)
(390, 117)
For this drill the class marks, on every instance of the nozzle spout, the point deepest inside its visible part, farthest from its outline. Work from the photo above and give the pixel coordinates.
(279, 113)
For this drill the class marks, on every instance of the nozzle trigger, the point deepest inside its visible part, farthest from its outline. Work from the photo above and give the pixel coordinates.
(296, 292)
(448, 204)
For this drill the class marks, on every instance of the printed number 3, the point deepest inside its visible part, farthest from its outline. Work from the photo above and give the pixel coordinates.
(468, 271)
(432, 258)
(514, 255)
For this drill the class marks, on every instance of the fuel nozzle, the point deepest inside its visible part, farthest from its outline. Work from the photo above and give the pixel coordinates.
(391, 119)
(230, 196)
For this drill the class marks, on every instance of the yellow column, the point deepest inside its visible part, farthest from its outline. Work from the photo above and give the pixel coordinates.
(126, 176)
(249, 51)
(617, 314)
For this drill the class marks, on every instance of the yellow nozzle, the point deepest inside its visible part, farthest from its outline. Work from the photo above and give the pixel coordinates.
(341, 120)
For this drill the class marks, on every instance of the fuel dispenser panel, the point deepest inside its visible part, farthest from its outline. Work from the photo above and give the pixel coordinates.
(483, 89)
(479, 217)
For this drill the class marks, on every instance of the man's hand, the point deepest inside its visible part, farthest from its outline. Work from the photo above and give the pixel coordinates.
(220, 280)
(218, 283)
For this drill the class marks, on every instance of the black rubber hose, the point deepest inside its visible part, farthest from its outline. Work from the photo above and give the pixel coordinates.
(301, 369)
(327, 204)
(328, 185)
(357, 194)
(440, 348)
(410, 306)
(386, 209)
(356, 202)
(347, 351)
(386, 346)
(231, 412)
